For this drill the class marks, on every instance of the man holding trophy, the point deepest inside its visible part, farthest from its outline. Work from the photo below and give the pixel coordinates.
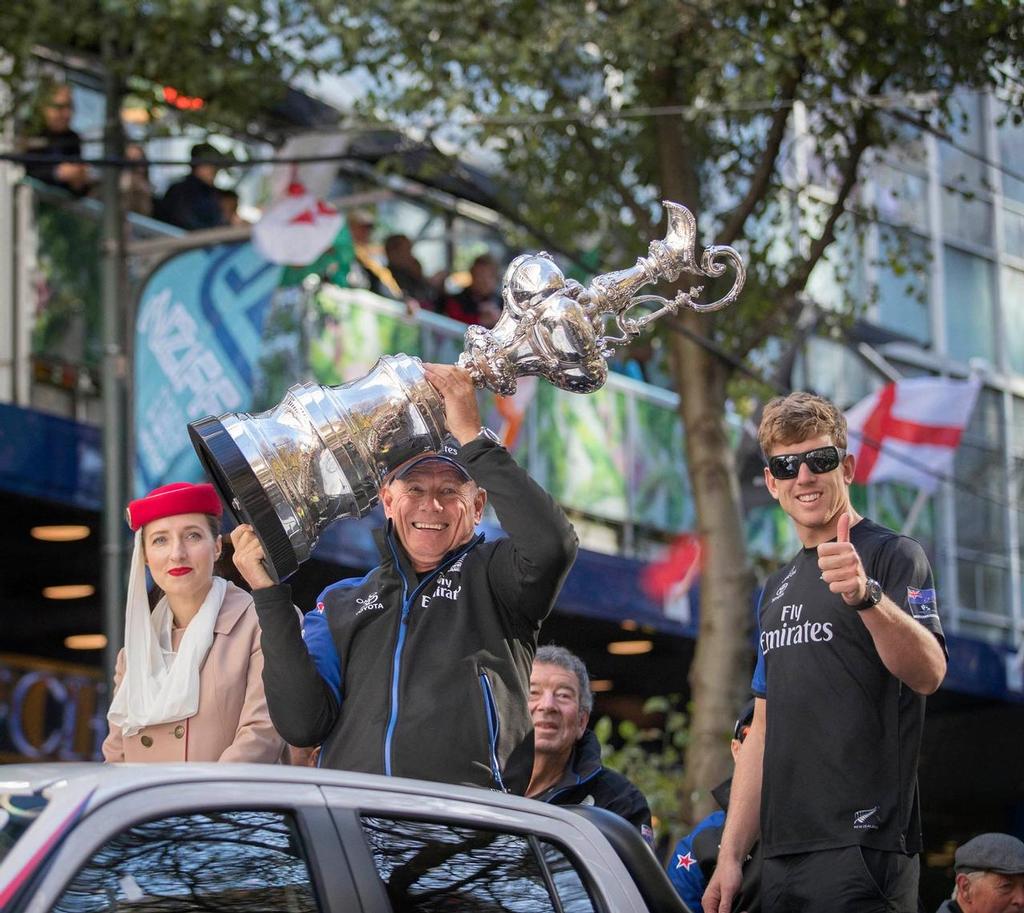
(422, 668)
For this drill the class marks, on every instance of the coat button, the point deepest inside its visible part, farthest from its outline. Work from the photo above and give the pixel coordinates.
(147, 741)
(179, 732)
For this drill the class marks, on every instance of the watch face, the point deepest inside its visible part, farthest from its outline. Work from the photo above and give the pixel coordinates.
(874, 595)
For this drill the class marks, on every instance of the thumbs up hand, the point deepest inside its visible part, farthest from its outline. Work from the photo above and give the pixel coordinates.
(841, 566)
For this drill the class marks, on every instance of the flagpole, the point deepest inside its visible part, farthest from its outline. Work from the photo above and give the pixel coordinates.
(915, 511)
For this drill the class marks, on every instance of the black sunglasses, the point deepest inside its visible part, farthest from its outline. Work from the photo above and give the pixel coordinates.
(819, 460)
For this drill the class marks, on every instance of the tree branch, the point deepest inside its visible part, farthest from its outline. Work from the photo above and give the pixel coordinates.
(766, 166)
(788, 295)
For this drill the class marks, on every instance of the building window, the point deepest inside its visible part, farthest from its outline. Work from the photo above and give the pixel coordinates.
(1011, 150)
(1013, 231)
(970, 306)
(903, 284)
(1013, 318)
(980, 474)
(219, 862)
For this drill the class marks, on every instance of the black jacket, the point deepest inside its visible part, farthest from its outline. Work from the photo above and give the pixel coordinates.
(426, 677)
(190, 203)
(587, 782)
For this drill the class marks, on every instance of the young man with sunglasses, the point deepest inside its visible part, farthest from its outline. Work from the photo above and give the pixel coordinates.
(849, 644)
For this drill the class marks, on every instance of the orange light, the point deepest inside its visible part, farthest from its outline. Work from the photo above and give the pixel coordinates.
(180, 101)
(63, 533)
(628, 624)
(598, 685)
(630, 647)
(86, 641)
(69, 591)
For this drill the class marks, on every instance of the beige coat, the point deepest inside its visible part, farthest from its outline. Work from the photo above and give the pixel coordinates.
(232, 722)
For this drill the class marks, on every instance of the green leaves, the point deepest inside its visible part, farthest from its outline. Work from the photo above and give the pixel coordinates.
(650, 755)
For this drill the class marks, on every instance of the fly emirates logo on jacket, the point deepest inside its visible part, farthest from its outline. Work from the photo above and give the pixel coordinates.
(793, 630)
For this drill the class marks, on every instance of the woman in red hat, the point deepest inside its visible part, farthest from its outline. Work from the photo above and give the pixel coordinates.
(189, 681)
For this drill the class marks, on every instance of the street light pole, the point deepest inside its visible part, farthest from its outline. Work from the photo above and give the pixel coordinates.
(113, 371)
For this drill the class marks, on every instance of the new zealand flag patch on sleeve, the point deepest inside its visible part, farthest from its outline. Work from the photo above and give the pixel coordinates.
(922, 603)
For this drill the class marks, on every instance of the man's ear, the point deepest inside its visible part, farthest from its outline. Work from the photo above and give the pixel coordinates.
(849, 465)
(479, 500)
(769, 482)
(387, 498)
(584, 719)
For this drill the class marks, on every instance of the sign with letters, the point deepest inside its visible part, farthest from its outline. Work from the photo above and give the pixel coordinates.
(198, 339)
(50, 711)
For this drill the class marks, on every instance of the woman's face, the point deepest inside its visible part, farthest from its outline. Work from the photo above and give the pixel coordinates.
(180, 552)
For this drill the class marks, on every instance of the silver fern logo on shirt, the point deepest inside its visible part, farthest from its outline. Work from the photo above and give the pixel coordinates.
(866, 819)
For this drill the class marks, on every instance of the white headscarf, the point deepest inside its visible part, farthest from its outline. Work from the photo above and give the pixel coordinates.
(159, 685)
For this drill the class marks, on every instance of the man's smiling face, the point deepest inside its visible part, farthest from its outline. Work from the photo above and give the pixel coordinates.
(434, 509)
(813, 501)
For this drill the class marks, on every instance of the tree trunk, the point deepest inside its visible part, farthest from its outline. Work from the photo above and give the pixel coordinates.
(720, 673)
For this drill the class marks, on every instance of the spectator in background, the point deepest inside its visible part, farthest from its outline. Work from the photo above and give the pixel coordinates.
(989, 876)
(693, 860)
(194, 202)
(51, 139)
(567, 767)
(229, 207)
(478, 302)
(369, 270)
(136, 190)
(408, 271)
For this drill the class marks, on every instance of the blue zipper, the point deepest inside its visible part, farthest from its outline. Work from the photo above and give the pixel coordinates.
(493, 729)
(579, 782)
(400, 643)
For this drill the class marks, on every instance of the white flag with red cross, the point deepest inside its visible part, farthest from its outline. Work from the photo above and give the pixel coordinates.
(908, 431)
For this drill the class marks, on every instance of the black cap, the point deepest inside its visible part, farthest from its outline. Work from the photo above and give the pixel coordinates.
(207, 152)
(745, 718)
(991, 853)
(445, 455)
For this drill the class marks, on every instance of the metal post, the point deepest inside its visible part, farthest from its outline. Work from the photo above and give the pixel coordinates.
(113, 379)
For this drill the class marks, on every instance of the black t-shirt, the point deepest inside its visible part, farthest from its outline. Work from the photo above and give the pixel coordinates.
(843, 734)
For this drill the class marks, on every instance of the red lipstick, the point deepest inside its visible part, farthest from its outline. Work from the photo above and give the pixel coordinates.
(179, 571)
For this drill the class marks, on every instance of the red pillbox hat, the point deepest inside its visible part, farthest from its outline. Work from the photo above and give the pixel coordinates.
(173, 499)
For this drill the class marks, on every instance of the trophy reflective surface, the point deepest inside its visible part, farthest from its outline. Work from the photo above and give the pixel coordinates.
(323, 453)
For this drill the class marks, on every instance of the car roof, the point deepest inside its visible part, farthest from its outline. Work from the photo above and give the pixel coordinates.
(65, 781)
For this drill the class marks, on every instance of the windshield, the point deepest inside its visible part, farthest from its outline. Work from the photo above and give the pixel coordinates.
(17, 812)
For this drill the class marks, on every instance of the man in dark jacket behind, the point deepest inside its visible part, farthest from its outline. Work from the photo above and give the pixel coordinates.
(422, 667)
(567, 767)
(695, 856)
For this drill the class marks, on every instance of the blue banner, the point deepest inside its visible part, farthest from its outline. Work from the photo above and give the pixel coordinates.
(198, 340)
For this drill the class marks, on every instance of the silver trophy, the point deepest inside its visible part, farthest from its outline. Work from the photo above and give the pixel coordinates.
(322, 453)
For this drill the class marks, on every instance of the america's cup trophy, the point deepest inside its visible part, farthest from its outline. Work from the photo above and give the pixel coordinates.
(323, 452)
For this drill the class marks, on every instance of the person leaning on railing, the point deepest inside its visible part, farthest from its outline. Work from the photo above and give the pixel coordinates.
(51, 142)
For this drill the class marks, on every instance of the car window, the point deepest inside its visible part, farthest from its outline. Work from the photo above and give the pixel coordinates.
(569, 886)
(216, 862)
(430, 867)
(17, 812)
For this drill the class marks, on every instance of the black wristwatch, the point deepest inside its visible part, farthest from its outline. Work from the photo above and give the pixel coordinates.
(872, 596)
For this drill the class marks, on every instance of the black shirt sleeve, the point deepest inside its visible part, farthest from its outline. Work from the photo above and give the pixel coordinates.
(903, 570)
(527, 570)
